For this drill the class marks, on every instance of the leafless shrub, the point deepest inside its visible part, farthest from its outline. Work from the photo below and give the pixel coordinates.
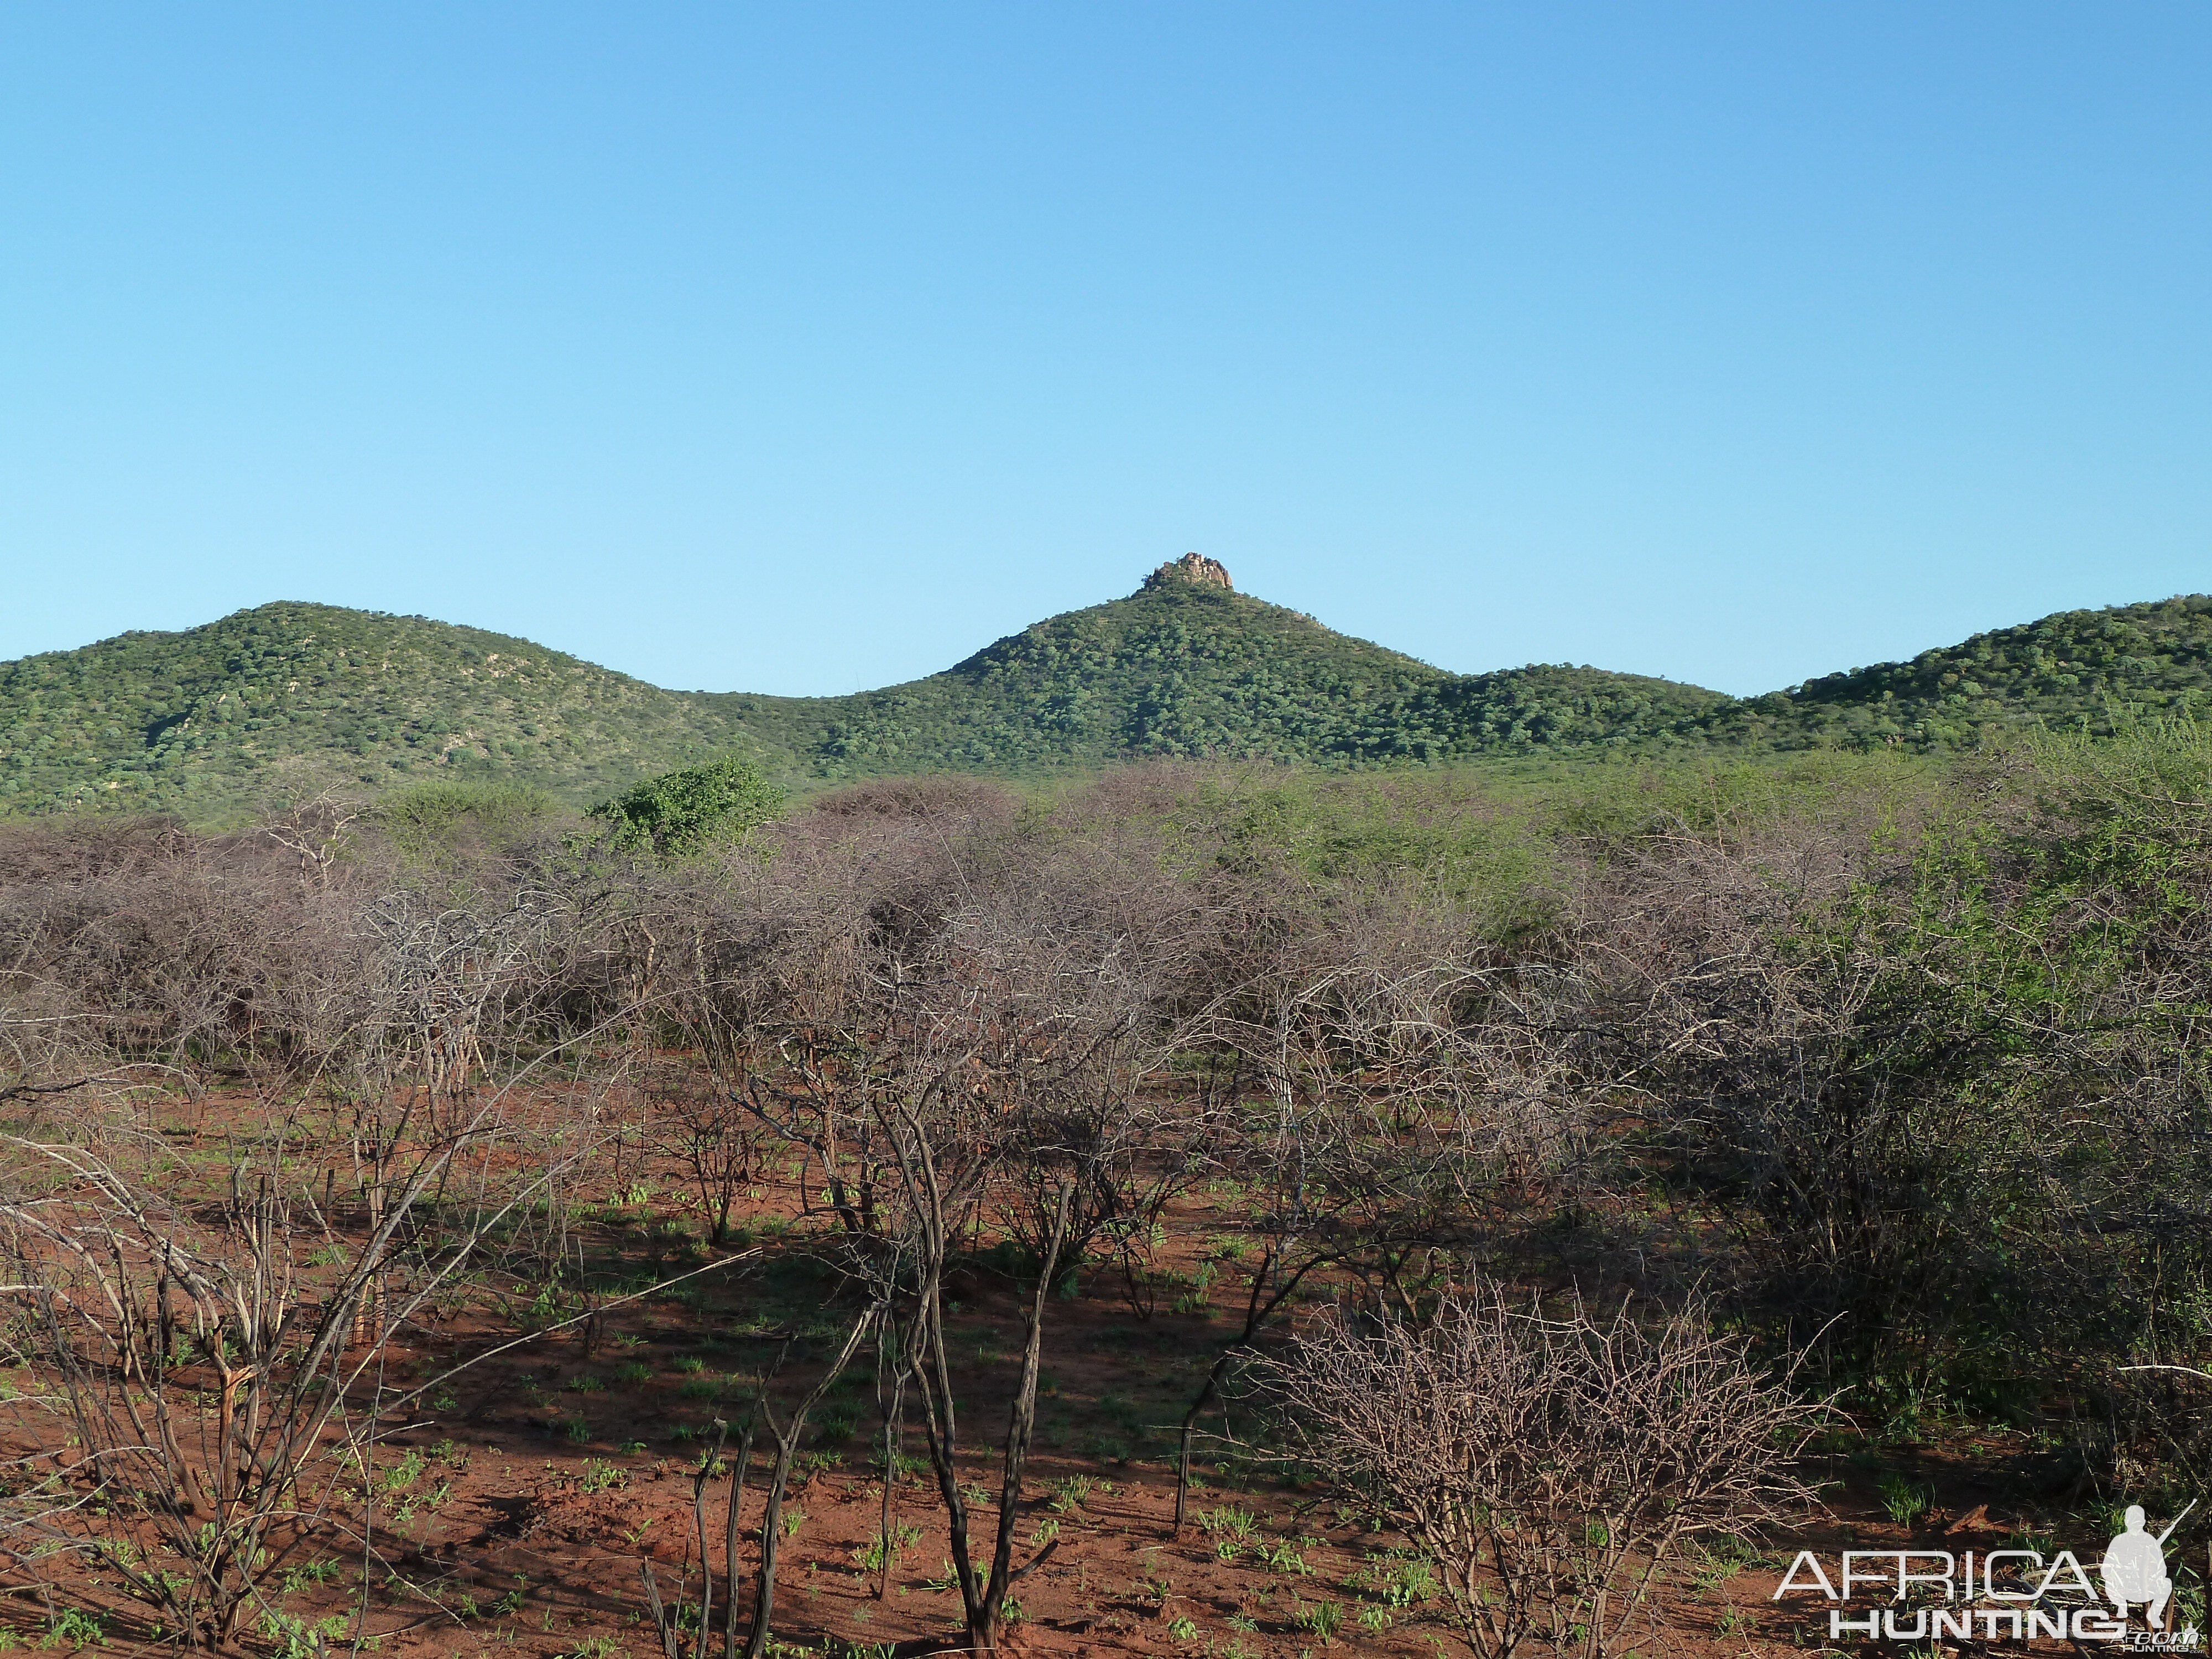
(1405, 1106)
(939, 799)
(702, 1121)
(316, 832)
(786, 1435)
(190, 951)
(1822, 1074)
(956, 1030)
(441, 973)
(1552, 1466)
(218, 1408)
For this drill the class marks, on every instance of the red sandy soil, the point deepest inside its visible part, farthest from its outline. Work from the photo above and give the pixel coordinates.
(518, 1511)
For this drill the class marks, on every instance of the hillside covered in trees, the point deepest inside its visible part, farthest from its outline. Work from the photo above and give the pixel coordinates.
(290, 698)
(2073, 670)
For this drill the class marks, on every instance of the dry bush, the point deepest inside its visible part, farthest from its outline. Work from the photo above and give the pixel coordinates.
(1829, 1081)
(444, 981)
(2153, 1431)
(954, 1026)
(188, 951)
(1551, 1465)
(1785, 1055)
(1398, 1107)
(939, 798)
(700, 1121)
(202, 1401)
(1940, 1084)
(215, 1387)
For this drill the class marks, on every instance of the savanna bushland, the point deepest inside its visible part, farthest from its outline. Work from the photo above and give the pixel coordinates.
(1184, 1208)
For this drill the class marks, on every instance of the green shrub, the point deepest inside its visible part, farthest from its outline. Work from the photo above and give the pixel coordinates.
(428, 821)
(694, 810)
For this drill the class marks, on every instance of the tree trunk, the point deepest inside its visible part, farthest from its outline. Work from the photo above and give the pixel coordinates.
(787, 1448)
(988, 1630)
(738, 1472)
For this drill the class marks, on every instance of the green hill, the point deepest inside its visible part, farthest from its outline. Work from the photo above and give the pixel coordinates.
(2072, 671)
(1185, 666)
(289, 698)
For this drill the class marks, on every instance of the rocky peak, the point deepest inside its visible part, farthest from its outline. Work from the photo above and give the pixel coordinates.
(1192, 567)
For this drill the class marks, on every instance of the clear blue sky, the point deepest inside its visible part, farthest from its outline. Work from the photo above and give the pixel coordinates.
(802, 349)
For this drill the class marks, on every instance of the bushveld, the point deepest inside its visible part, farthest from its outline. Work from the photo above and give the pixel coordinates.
(1197, 1209)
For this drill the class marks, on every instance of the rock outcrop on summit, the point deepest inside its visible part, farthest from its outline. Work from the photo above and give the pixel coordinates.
(1192, 567)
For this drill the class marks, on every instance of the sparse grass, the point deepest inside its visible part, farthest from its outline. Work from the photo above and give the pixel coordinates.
(872, 1556)
(1073, 1492)
(1903, 1500)
(1320, 1619)
(1396, 1578)
(299, 1576)
(75, 1628)
(596, 1475)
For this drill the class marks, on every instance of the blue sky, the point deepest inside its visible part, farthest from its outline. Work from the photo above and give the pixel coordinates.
(806, 349)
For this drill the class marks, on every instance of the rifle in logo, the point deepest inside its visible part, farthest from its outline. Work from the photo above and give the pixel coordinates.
(2134, 1568)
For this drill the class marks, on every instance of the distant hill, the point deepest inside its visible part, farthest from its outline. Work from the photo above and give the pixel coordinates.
(2074, 670)
(1186, 666)
(290, 697)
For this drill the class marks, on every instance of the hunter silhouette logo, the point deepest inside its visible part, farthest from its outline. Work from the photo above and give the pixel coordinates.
(2016, 1594)
(2134, 1568)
